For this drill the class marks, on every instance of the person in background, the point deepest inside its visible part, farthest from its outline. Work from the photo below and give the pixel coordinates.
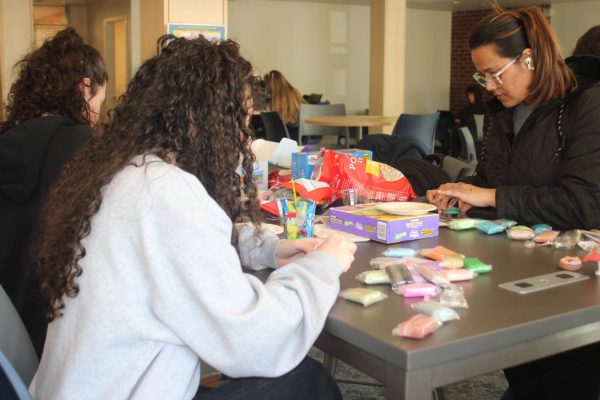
(141, 263)
(540, 164)
(283, 98)
(585, 61)
(52, 108)
(475, 105)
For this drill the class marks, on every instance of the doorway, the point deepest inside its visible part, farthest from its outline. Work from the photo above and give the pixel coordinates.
(115, 57)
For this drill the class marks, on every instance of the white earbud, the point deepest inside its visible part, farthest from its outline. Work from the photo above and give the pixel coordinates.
(528, 63)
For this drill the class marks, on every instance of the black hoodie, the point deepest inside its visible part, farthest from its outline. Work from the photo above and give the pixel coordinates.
(31, 155)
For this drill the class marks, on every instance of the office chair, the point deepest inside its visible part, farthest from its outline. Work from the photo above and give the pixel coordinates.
(275, 128)
(15, 342)
(468, 145)
(321, 110)
(456, 168)
(418, 126)
(11, 385)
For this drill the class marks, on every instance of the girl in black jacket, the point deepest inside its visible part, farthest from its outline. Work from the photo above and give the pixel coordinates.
(51, 109)
(540, 163)
(540, 160)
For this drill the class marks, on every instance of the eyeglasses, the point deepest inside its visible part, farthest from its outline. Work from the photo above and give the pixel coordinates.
(483, 79)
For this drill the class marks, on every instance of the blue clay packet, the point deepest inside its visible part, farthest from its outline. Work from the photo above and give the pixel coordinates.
(490, 227)
(452, 211)
(539, 228)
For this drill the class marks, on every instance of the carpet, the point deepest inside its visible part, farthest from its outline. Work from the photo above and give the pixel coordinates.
(484, 387)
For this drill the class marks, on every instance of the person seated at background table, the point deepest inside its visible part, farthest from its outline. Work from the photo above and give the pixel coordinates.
(140, 261)
(52, 106)
(475, 105)
(585, 61)
(540, 160)
(540, 163)
(283, 98)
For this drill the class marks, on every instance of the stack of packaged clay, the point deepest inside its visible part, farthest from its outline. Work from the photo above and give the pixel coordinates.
(430, 278)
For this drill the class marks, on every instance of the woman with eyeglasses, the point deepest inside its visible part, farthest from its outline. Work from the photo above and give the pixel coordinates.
(540, 158)
(540, 163)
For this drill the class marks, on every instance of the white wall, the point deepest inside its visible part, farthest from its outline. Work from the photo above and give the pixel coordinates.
(428, 46)
(319, 47)
(571, 20)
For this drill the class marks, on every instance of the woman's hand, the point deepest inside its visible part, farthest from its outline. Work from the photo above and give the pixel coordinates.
(468, 195)
(442, 202)
(290, 250)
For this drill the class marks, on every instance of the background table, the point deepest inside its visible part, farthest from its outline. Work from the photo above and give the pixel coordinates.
(352, 121)
(500, 329)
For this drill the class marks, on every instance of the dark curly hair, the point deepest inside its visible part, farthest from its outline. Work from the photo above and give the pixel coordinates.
(188, 105)
(49, 81)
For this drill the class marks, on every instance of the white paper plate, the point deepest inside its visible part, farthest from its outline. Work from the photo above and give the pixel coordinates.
(322, 232)
(276, 229)
(406, 208)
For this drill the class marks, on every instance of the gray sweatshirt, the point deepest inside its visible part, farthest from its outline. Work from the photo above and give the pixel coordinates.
(162, 291)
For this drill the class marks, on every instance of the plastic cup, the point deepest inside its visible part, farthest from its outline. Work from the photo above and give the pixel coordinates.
(350, 197)
(297, 218)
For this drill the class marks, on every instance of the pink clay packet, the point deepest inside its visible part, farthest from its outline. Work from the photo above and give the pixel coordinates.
(417, 290)
(417, 327)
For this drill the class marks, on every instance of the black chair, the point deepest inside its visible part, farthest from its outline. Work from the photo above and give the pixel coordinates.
(442, 132)
(275, 128)
(422, 127)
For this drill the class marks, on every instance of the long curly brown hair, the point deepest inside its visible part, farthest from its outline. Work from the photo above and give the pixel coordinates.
(49, 81)
(188, 105)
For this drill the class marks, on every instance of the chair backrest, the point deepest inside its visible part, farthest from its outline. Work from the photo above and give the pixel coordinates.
(422, 127)
(479, 125)
(275, 128)
(468, 145)
(14, 340)
(11, 385)
(456, 168)
(320, 110)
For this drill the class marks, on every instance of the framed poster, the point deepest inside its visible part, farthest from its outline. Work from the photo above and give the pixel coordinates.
(191, 31)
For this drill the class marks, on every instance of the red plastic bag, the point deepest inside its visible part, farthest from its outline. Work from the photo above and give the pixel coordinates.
(375, 180)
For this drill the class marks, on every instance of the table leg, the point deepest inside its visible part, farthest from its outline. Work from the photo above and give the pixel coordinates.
(408, 385)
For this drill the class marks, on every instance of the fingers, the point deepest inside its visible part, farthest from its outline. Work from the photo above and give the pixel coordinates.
(341, 249)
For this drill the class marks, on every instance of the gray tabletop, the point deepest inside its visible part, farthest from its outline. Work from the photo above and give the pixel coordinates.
(499, 329)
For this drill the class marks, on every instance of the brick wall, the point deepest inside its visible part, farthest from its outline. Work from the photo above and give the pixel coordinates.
(461, 67)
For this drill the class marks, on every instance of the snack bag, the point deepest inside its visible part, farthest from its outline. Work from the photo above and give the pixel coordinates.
(380, 181)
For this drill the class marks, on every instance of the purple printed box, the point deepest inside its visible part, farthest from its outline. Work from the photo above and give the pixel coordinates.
(366, 220)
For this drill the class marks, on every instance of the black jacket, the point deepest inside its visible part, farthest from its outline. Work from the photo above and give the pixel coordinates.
(31, 156)
(538, 178)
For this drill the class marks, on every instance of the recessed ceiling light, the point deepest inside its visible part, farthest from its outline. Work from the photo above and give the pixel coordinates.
(456, 2)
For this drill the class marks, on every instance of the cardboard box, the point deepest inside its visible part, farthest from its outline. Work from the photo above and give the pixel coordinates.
(303, 164)
(366, 220)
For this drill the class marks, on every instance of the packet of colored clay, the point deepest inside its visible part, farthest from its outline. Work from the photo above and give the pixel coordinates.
(417, 290)
(373, 277)
(363, 296)
(520, 232)
(453, 296)
(399, 252)
(432, 276)
(437, 253)
(477, 266)
(461, 224)
(414, 261)
(398, 275)
(567, 240)
(382, 262)
(546, 237)
(436, 310)
(452, 261)
(456, 275)
(490, 227)
(417, 327)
